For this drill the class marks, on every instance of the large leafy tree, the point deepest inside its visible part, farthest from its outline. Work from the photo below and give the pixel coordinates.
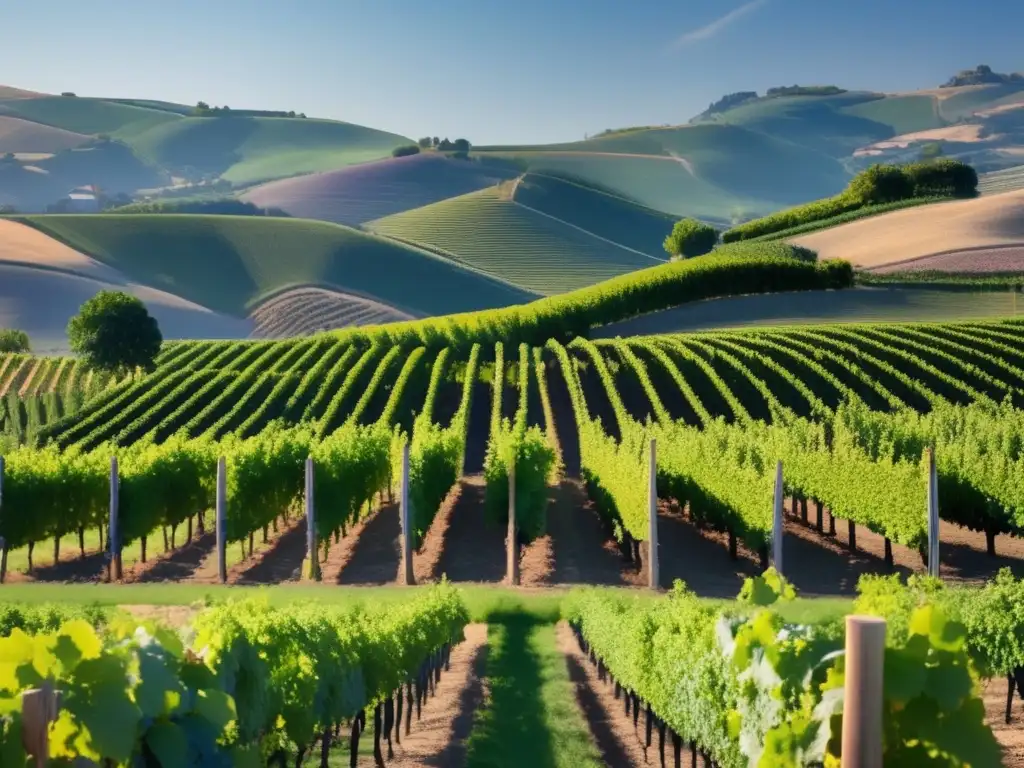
(114, 331)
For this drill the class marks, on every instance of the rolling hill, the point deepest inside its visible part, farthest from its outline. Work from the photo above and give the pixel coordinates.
(967, 227)
(230, 263)
(45, 282)
(488, 230)
(370, 191)
(604, 215)
(245, 150)
(732, 166)
(24, 137)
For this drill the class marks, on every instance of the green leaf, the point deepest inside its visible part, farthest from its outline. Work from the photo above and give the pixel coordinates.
(169, 744)
(82, 634)
(949, 685)
(157, 682)
(110, 718)
(215, 706)
(905, 676)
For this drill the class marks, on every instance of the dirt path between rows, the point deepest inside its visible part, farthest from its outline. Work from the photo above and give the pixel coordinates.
(439, 739)
(621, 745)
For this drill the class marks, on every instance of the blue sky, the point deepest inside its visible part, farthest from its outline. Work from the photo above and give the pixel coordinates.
(494, 71)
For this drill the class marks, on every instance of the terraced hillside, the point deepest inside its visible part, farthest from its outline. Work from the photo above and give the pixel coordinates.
(228, 263)
(1006, 180)
(490, 231)
(370, 191)
(301, 311)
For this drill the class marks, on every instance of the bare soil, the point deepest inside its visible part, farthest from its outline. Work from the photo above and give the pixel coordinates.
(1010, 736)
(621, 745)
(439, 738)
(473, 549)
(911, 233)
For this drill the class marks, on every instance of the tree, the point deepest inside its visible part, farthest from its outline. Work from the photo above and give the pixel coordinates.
(691, 238)
(405, 151)
(881, 184)
(13, 341)
(461, 145)
(425, 143)
(435, 142)
(114, 331)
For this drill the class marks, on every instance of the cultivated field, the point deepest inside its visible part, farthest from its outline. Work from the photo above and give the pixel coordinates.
(859, 305)
(891, 238)
(370, 191)
(247, 150)
(228, 263)
(490, 231)
(23, 137)
(302, 311)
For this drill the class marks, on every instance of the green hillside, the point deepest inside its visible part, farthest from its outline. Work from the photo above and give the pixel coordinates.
(613, 218)
(228, 262)
(490, 232)
(89, 116)
(245, 150)
(966, 101)
(711, 170)
(904, 114)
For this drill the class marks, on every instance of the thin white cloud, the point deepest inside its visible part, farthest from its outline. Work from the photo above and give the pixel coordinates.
(710, 30)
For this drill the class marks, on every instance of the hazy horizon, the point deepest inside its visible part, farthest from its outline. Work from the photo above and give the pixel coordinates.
(523, 73)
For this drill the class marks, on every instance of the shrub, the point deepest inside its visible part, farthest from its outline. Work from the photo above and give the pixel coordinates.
(880, 184)
(877, 185)
(13, 341)
(691, 238)
(942, 177)
(405, 151)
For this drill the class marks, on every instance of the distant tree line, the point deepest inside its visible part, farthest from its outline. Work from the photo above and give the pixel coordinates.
(444, 145)
(982, 75)
(13, 341)
(202, 109)
(219, 206)
(731, 100)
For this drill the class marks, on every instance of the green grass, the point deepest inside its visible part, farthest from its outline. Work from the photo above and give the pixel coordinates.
(904, 114)
(245, 150)
(490, 232)
(612, 218)
(88, 116)
(532, 717)
(860, 305)
(227, 262)
(485, 603)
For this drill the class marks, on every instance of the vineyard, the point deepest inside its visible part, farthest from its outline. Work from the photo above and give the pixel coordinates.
(837, 404)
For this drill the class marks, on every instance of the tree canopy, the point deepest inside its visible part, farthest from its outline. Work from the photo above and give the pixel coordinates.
(690, 238)
(113, 331)
(13, 341)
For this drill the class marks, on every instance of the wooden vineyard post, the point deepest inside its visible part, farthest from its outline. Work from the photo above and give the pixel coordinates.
(312, 549)
(513, 546)
(933, 516)
(406, 512)
(222, 519)
(39, 708)
(3, 541)
(653, 574)
(778, 521)
(114, 524)
(862, 703)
